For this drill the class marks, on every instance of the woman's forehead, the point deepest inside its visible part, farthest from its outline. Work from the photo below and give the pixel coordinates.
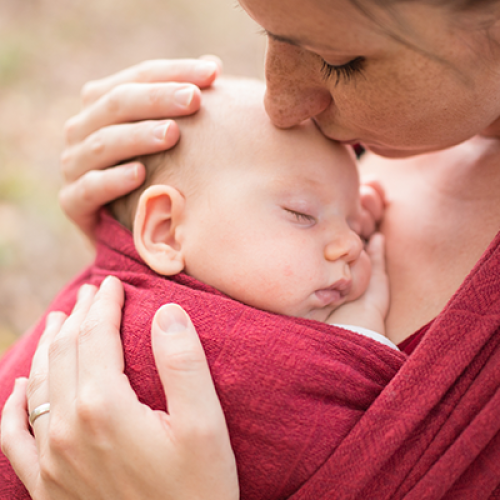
(358, 28)
(319, 25)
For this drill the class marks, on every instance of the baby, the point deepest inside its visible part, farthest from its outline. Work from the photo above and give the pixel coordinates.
(271, 218)
(254, 231)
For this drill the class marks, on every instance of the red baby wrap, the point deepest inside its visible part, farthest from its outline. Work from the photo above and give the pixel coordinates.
(314, 411)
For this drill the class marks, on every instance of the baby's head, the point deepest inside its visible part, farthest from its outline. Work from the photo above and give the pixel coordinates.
(267, 216)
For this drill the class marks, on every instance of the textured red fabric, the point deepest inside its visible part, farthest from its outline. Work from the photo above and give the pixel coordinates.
(316, 411)
(410, 344)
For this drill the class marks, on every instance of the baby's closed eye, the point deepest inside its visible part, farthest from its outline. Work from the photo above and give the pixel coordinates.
(300, 217)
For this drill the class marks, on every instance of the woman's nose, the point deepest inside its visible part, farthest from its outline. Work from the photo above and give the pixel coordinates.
(347, 247)
(295, 91)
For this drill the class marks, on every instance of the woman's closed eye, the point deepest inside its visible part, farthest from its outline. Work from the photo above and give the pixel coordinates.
(300, 217)
(345, 71)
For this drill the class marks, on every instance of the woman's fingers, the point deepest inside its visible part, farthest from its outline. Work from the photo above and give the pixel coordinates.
(37, 391)
(81, 199)
(103, 443)
(185, 375)
(125, 116)
(111, 145)
(190, 393)
(18, 444)
(100, 354)
(63, 353)
(182, 366)
(132, 102)
(199, 72)
(101, 365)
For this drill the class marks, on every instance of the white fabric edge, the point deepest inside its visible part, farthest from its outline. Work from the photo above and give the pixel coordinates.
(369, 333)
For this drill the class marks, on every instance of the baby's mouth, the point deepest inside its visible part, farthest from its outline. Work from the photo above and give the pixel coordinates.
(334, 294)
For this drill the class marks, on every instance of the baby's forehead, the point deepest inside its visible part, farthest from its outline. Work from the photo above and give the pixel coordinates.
(233, 103)
(233, 109)
(231, 119)
(234, 91)
(233, 130)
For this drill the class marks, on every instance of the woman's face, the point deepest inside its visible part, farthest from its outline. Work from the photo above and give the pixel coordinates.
(411, 80)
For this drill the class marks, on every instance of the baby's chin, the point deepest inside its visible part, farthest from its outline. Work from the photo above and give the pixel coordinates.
(319, 314)
(318, 306)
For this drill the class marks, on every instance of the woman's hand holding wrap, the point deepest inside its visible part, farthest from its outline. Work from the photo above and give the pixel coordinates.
(98, 441)
(124, 116)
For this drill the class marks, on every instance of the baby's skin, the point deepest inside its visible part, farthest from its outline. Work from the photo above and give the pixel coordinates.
(272, 218)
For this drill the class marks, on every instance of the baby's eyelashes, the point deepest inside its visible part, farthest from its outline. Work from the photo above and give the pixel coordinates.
(300, 217)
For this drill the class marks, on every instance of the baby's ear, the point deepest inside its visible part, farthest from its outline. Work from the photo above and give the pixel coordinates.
(159, 213)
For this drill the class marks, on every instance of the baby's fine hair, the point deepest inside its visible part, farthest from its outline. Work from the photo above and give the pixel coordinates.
(157, 166)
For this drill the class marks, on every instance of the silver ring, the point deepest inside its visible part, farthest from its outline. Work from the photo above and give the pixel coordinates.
(38, 412)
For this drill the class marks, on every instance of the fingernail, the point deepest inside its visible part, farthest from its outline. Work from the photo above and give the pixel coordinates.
(51, 319)
(205, 69)
(160, 132)
(132, 171)
(84, 291)
(103, 287)
(106, 282)
(19, 381)
(184, 96)
(172, 319)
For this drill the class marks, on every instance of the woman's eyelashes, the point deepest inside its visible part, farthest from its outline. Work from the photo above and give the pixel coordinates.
(300, 217)
(344, 72)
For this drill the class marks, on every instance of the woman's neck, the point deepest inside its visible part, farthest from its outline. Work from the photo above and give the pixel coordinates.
(443, 210)
(466, 173)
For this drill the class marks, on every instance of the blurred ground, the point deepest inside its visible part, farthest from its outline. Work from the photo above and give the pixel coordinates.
(48, 50)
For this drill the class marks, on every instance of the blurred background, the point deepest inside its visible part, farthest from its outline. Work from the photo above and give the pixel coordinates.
(48, 50)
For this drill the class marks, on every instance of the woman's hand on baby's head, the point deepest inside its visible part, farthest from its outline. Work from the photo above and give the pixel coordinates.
(372, 205)
(124, 116)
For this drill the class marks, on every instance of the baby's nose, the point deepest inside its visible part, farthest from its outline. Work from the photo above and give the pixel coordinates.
(347, 247)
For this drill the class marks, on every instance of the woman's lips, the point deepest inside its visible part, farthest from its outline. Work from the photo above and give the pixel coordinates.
(324, 127)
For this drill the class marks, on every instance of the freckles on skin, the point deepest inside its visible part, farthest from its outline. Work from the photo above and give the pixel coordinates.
(424, 85)
(291, 67)
(393, 112)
